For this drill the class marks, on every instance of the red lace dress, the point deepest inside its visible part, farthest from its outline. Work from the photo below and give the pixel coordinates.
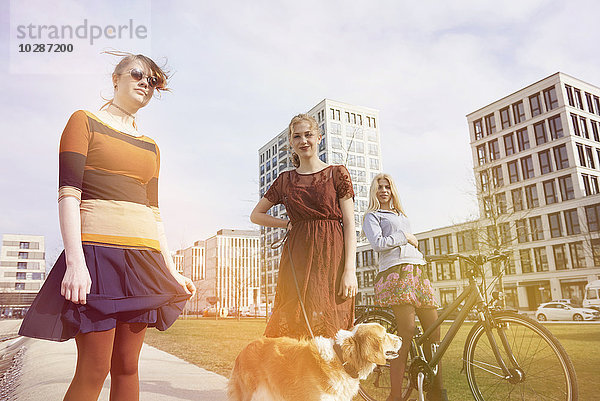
(317, 248)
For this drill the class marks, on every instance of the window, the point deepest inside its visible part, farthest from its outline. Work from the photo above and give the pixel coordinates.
(19, 286)
(577, 255)
(23, 245)
(560, 157)
(560, 258)
(572, 222)
(594, 125)
(527, 167)
(494, 150)
(550, 192)
(519, 112)
(497, 179)
(523, 139)
(545, 161)
(570, 97)
(424, 246)
(583, 127)
(36, 276)
(566, 187)
(490, 124)
(597, 104)
(525, 256)
(509, 144)
(575, 122)
(587, 190)
(476, 127)
(522, 234)
(555, 124)
(445, 271)
(541, 260)
(595, 243)
(485, 181)
(23, 255)
(555, 226)
(535, 105)
(466, 241)
(500, 203)
(581, 154)
(578, 100)
(442, 245)
(589, 157)
(373, 149)
(550, 98)
(595, 188)
(481, 155)
(537, 231)
(517, 199)
(373, 163)
(540, 133)
(505, 233)
(21, 276)
(513, 171)
(592, 216)
(531, 196)
(505, 118)
(21, 265)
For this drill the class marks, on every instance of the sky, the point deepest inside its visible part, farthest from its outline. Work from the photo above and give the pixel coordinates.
(242, 69)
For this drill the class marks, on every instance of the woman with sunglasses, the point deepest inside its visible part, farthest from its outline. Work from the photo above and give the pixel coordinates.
(115, 277)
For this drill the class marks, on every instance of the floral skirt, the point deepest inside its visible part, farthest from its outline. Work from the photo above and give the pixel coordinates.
(404, 284)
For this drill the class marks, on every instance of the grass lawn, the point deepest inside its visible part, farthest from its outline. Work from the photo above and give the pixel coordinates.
(214, 344)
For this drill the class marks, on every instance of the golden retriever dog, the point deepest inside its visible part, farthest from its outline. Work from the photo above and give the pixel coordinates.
(286, 369)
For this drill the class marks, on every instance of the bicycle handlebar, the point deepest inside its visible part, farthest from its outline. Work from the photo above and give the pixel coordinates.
(475, 260)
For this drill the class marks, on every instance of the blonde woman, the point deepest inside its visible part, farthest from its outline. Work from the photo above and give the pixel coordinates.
(322, 242)
(401, 283)
(115, 277)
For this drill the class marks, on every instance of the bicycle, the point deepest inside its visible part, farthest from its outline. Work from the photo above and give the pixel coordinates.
(506, 356)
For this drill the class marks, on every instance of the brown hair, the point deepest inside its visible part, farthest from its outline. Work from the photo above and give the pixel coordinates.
(313, 127)
(127, 58)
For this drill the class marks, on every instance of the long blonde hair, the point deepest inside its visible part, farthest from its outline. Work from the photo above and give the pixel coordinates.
(374, 202)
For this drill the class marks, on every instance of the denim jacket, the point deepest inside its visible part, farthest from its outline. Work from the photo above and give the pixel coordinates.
(385, 231)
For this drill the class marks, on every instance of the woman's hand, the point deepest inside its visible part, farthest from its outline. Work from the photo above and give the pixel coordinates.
(186, 283)
(412, 239)
(76, 283)
(348, 285)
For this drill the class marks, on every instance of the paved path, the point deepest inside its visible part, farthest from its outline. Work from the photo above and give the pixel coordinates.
(48, 367)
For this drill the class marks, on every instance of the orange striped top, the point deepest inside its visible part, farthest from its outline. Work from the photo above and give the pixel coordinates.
(115, 176)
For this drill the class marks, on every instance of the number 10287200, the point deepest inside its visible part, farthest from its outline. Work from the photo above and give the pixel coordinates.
(45, 48)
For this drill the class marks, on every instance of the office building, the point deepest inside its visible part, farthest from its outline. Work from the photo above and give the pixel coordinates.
(190, 262)
(536, 160)
(22, 270)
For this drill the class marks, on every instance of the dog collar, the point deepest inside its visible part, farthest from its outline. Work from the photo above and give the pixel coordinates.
(338, 351)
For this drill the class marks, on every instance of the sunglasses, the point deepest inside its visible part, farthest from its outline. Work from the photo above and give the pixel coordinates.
(138, 75)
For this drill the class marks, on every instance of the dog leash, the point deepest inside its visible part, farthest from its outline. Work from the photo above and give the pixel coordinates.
(276, 245)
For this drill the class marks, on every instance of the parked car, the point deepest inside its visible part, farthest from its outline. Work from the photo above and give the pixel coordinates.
(565, 311)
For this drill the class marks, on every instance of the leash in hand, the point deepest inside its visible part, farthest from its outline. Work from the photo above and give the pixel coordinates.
(278, 244)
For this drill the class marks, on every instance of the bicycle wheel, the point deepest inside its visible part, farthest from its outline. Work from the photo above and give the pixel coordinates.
(548, 370)
(377, 386)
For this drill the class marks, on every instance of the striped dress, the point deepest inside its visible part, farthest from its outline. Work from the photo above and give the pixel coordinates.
(115, 177)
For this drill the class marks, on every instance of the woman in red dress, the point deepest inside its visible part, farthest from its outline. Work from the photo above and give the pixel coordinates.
(319, 200)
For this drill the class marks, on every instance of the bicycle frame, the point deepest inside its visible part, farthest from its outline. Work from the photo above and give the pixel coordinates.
(471, 296)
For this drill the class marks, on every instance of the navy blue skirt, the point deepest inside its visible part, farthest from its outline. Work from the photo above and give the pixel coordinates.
(128, 285)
